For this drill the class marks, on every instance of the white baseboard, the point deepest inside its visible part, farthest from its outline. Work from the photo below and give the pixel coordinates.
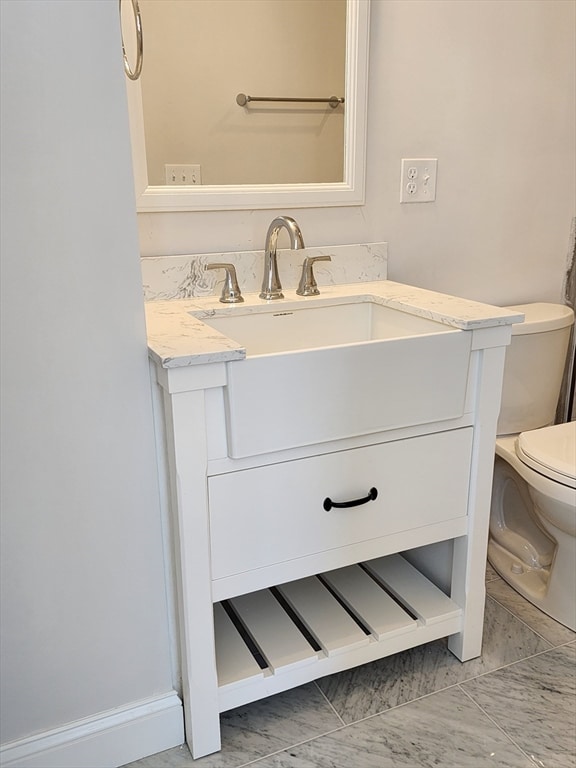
(107, 740)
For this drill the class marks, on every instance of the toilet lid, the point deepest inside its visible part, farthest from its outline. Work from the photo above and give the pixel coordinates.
(550, 451)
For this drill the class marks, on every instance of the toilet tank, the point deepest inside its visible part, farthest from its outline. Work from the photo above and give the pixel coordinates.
(534, 367)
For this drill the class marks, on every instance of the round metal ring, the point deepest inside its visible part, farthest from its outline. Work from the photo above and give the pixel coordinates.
(133, 75)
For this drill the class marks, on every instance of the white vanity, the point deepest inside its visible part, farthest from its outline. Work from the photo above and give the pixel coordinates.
(309, 442)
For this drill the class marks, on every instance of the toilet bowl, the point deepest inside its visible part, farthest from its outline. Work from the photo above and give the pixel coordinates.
(533, 518)
(532, 542)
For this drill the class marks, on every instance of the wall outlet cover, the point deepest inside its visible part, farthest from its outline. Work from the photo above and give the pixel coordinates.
(418, 180)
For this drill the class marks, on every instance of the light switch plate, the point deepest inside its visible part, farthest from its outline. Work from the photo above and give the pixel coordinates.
(179, 175)
(418, 180)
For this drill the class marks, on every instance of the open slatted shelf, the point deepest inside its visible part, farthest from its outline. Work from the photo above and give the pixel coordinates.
(273, 639)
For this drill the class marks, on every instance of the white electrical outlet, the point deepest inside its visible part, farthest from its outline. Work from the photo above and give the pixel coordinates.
(418, 180)
(182, 174)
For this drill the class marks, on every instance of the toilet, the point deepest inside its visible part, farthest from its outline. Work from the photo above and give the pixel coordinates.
(532, 542)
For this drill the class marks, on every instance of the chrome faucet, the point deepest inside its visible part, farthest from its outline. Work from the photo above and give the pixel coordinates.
(271, 286)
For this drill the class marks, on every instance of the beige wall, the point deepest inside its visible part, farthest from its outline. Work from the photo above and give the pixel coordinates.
(487, 87)
(200, 54)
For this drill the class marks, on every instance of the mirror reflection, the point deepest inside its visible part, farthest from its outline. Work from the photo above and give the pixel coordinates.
(200, 54)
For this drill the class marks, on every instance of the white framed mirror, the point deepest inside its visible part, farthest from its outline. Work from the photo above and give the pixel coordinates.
(238, 196)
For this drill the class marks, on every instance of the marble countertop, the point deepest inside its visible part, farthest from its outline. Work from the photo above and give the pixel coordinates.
(177, 337)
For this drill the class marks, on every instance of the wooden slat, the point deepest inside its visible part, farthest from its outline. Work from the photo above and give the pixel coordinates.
(281, 642)
(233, 659)
(323, 615)
(368, 600)
(405, 582)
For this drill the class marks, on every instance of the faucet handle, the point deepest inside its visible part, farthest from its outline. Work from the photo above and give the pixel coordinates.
(230, 290)
(307, 285)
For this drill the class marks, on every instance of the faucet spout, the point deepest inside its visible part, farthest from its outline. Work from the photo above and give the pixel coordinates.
(271, 286)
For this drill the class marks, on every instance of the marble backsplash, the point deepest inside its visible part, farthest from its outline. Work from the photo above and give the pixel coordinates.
(183, 277)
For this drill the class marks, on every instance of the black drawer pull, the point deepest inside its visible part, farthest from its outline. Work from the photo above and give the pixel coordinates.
(328, 503)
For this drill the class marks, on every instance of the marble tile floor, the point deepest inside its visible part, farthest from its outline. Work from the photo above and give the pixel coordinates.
(515, 707)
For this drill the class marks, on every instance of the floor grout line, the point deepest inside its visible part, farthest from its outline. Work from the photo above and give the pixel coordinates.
(304, 741)
(523, 621)
(383, 712)
(452, 685)
(515, 615)
(346, 725)
(332, 707)
(405, 703)
(533, 759)
(292, 746)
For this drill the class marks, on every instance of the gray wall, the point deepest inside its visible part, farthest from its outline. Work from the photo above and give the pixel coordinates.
(84, 625)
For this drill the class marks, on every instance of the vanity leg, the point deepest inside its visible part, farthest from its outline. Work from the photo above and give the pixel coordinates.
(185, 425)
(469, 559)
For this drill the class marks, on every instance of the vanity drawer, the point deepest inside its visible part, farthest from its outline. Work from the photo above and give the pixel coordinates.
(275, 513)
